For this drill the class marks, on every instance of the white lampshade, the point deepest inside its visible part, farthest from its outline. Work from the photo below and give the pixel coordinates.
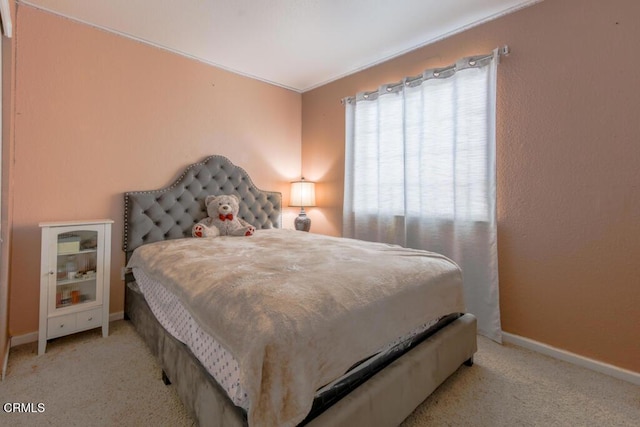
(303, 193)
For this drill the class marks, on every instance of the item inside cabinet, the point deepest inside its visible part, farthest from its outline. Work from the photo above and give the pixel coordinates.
(68, 242)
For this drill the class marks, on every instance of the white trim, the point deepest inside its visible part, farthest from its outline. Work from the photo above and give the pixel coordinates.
(116, 316)
(33, 336)
(4, 304)
(5, 10)
(556, 353)
(24, 339)
(5, 363)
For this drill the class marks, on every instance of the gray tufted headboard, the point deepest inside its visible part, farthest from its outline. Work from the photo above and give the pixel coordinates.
(171, 212)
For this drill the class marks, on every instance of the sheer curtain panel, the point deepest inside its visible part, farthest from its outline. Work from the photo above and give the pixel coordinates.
(420, 172)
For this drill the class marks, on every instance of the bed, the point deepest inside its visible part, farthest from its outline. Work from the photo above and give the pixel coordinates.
(283, 339)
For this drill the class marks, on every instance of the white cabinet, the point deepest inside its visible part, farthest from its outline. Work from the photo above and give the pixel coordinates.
(74, 278)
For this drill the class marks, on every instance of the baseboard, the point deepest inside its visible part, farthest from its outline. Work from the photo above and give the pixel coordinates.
(24, 339)
(116, 316)
(556, 353)
(5, 362)
(33, 336)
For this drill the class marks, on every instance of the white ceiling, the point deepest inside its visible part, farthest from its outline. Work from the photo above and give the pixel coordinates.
(296, 44)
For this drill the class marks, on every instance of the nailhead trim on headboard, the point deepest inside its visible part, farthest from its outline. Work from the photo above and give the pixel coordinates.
(171, 212)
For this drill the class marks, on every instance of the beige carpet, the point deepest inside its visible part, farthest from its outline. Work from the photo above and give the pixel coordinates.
(87, 380)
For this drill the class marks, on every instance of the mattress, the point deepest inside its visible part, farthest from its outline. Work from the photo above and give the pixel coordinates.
(297, 310)
(224, 368)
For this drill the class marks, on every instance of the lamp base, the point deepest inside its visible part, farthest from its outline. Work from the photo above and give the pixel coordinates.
(302, 222)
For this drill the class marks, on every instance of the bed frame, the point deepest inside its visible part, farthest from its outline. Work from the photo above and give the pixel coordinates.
(386, 399)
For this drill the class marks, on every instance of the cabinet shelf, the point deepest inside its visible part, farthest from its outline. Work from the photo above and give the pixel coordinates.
(65, 282)
(70, 308)
(74, 278)
(81, 251)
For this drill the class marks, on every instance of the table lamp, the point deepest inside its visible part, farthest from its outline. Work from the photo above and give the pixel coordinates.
(303, 193)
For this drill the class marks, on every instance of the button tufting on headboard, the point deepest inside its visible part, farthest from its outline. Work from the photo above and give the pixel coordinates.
(169, 213)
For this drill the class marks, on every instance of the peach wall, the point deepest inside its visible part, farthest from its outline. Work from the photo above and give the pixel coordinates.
(568, 168)
(98, 114)
(8, 61)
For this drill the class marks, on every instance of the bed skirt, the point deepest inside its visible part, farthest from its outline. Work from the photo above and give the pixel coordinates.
(386, 399)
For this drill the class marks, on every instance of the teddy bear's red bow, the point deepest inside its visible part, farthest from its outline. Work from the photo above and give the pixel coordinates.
(227, 216)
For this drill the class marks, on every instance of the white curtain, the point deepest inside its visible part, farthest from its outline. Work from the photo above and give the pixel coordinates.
(420, 172)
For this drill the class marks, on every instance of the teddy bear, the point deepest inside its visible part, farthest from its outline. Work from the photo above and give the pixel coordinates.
(223, 219)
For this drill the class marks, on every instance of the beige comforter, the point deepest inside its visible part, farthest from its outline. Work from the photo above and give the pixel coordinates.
(297, 309)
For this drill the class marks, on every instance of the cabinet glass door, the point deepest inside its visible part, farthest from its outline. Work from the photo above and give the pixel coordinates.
(77, 260)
